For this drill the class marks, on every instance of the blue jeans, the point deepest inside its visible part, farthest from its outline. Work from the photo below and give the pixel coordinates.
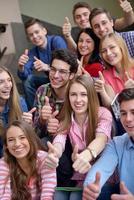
(65, 195)
(30, 86)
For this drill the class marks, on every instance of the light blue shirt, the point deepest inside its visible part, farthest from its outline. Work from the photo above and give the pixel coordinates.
(119, 152)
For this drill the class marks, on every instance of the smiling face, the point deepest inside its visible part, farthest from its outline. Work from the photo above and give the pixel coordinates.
(102, 25)
(85, 44)
(17, 143)
(111, 52)
(37, 35)
(78, 99)
(81, 17)
(127, 116)
(5, 85)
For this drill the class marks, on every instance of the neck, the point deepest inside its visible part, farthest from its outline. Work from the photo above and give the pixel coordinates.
(86, 59)
(80, 119)
(24, 164)
(60, 93)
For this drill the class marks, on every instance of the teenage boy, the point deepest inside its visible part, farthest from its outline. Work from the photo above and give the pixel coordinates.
(118, 153)
(38, 58)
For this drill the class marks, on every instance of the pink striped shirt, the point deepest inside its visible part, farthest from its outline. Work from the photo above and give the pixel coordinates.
(104, 127)
(48, 180)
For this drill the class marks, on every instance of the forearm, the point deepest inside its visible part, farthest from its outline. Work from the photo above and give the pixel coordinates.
(71, 43)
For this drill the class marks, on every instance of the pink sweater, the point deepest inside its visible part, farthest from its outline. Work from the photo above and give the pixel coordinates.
(48, 180)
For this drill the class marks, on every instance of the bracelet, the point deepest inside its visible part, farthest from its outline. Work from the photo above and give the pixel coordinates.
(92, 152)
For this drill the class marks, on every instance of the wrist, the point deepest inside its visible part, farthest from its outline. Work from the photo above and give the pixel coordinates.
(92, 153)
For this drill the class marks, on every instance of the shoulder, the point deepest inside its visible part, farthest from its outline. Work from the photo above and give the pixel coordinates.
(4, 168)
(127, 34)
(104, 112)
(43, 88)
(121, 139)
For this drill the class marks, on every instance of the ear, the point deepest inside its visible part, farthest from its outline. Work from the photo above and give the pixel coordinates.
(112, 22)
(71, 76)
(45, 30)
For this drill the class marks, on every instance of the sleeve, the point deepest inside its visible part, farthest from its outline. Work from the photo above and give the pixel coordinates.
(59, 43)
(60, 138)
(5, 190)
(104, 122)
(48, 179)
(23, 105)
(28, 68)
(106, 165)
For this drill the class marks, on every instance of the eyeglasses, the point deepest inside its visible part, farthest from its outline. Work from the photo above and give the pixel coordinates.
(61, 72)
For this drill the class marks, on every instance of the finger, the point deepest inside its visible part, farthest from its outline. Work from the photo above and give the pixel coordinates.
(56, 112)
(101, 77)
(123, 188)
(75, 151)
(47, 101)
(51, 148)
(32, 110)
(26, 52)
(35, 58)
(67, 20)
(97, 178)
(81, 60)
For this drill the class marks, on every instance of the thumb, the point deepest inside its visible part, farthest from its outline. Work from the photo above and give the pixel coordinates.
(75, 153)
(47, 101)
(101, 77)
(127, 75)
(26, 52)
(32, 110)
(123, 189)
(97, 178)
(35, 58)
(81, 61)
(67, 20)
(51, 148)
(56, 112)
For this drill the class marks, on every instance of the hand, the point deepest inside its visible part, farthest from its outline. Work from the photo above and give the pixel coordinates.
(23, 60)
(99, 83)
(81, 161)
(52, 159)
(46, 111)
(53, 123)
(66, 29)
(39, 65)
(28, 116)
(92, 191)
(125, 194)
(126, 6)
(130, 82)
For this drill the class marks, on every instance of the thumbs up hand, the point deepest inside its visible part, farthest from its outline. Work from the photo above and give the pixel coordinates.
(46, 111)
(81, 161)
(28, 116)
(39, 65)
(129, 82)
(126, 6)
(52, 158)
(53, 123)
(66, 28)
(124, 194)
(92, 191)
(23, 60)
(100, 83)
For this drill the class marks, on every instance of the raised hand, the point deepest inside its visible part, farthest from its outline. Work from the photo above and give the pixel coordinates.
(100, 83)
(23, 60)
(39, 65)
(66, 29)
(126, 6)
(46, 111)
(129, 82)
(53, 123)
(28, 116)
(92, 191)
(81, 161)
(125, 194)
(52, 158)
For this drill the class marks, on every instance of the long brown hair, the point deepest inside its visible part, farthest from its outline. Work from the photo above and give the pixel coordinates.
(93, 106)
(13, 102)
(127, 61)
(18, 177)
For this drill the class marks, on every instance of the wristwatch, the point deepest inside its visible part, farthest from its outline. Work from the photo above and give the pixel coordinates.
(93, 153)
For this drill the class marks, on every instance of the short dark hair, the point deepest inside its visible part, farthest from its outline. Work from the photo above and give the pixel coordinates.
(126, 95)
(67, 56)
(97, 11)
(31, 22)
(80, 5)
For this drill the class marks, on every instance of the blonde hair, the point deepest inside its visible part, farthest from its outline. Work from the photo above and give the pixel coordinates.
(93, 106)
(127, 61)
(13, 102)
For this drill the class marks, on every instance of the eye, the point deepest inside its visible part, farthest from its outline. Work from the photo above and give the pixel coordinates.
(84, 94)
(22, 137)
(73, 94)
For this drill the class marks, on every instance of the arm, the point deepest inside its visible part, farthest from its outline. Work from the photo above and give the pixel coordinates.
(128, 18)
(66, 30)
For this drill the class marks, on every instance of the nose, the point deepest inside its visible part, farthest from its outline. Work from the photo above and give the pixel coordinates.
(56, 74)
(17, 142)
(108, 52)
(78, 98)
(128, 117)
(101, 28)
